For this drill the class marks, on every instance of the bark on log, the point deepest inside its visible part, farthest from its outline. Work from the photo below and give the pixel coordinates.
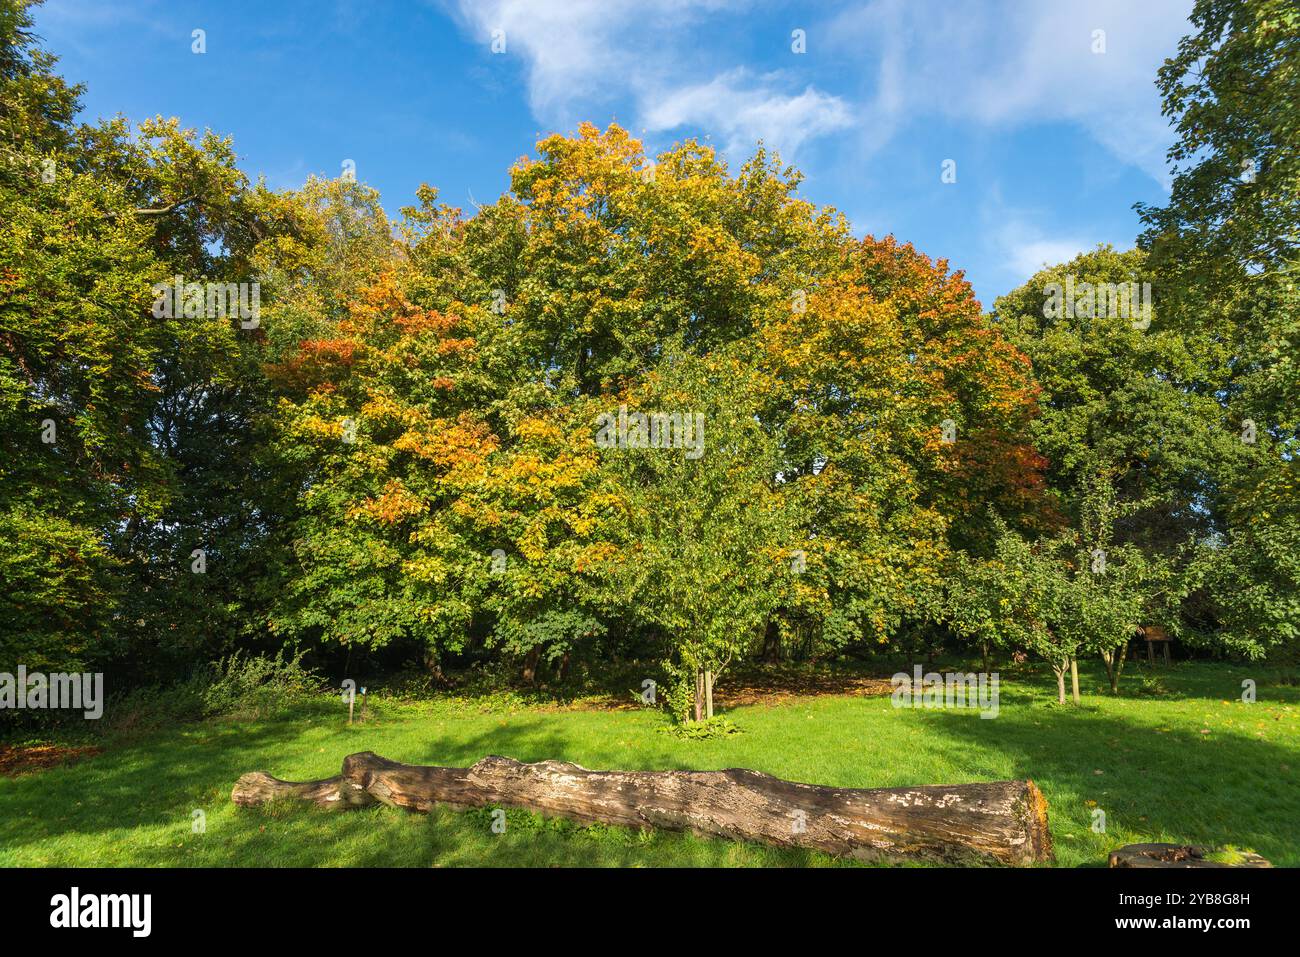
(1002, 821)
(258, 787)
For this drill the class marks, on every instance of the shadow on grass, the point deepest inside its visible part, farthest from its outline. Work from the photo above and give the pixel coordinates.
(1163, 782)
(138, 799)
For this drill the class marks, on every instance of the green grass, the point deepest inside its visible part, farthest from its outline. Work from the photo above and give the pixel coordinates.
(1145, 758)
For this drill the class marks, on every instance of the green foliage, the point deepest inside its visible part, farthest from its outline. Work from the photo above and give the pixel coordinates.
(1135, 413)
(401, 457)
(708, 536)
(1227, 243)
(240, 687)
(553, 633)
(57, 603)
(677, 691)
(1252, 575)
(1124, 398)
(715, 727)
(148, 708)
(1227, 246)
(244, 686)
(1072, 594)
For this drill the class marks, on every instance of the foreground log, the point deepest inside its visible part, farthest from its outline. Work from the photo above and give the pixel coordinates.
(1000, 821)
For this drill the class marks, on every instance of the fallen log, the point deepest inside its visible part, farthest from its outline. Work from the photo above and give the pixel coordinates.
(1001, 821)
(1182, 855)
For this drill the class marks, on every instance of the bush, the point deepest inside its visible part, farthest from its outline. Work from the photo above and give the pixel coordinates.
(156, 706)
(240, 687)
(715, 727)
(257, 687)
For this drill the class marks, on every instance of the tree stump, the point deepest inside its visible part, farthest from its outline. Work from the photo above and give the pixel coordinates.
(996, 822)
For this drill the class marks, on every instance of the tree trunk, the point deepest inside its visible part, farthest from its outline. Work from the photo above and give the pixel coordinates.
(1000, 821)
(1074, 679)
(772, 651)
(530, 665)
(433, 664)
(984, 655)
(1060, 683)
(1114, 666)
(708, 694)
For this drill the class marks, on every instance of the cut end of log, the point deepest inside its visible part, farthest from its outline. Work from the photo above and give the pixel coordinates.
(1038, 847)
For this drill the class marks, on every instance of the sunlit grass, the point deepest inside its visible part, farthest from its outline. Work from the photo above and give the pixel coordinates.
(1178, 757)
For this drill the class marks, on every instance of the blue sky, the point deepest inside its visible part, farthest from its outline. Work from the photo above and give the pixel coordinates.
(1053, 142)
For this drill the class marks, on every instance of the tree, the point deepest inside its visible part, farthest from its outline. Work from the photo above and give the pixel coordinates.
(383, 438)
(75, 365)
(1251, 579)
(709, 530)
(1225, 247)
(1133, 427)
(1057, 597)
(1018, 597)
(902, 408)
(1122, 394)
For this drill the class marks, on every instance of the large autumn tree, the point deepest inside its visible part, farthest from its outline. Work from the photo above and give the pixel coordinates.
(827, 370)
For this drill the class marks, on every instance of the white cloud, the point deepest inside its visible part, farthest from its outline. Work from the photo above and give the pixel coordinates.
(743, 109)
(1000, 64)
(661, 55)
(1027, 256)
(1014, 62)
(571, 48)
(1024, 247)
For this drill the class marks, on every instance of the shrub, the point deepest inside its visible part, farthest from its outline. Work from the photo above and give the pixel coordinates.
(715, 727)
(255, 687)
(238, 686)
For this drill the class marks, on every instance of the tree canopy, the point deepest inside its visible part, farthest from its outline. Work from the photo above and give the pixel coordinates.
(639, 406)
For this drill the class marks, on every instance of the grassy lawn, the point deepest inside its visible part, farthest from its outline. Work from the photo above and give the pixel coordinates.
(1178, 757)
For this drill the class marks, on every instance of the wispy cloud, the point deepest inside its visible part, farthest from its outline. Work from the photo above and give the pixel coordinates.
(74, 25)
(742, 108)
(1015, 62)
(1026, 256)
(661, 56)
(1023, 246)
